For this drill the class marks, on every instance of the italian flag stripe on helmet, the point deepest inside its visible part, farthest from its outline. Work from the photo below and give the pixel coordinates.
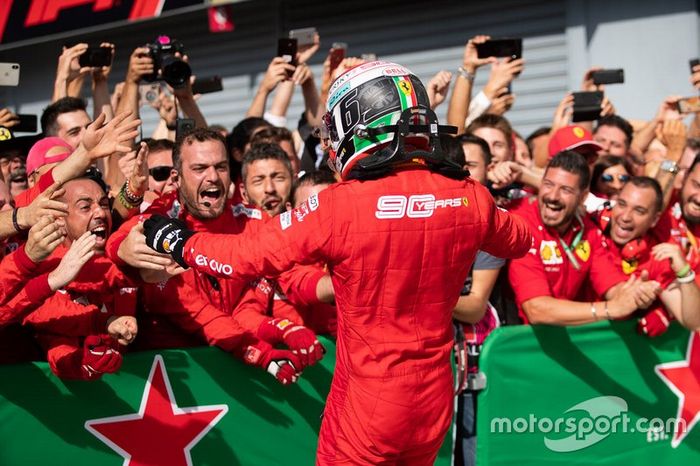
(406, 92)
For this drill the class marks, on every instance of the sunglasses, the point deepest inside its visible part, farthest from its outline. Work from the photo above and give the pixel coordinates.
(607, 178)
(161, 173)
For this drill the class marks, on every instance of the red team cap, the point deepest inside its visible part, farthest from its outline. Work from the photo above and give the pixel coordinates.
(575, 138)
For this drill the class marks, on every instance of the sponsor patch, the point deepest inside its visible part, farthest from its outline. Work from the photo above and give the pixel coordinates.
(240, 209)
(550, 253)
(313, 202)
(286, 220)
(583, 250)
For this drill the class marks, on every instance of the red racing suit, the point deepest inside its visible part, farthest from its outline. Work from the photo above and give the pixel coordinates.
(192, 308)
(63, 318)
(398, 250)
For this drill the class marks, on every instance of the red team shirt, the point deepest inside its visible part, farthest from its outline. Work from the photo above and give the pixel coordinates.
(547, 270)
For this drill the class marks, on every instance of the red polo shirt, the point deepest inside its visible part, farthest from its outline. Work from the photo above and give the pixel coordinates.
(547, 270)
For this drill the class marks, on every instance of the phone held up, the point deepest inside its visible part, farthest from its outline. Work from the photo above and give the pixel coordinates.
(587, 105)
(9, 74)
(96, 57)
(287, 49)
(506, 47)
(616, 76)
(337, 54)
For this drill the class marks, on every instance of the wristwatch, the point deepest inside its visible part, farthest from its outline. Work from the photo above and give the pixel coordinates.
(669, 166)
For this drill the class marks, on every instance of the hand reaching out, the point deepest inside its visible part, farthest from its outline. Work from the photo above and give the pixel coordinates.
(45, 204)
(137, 254)
(438, 87)
(122, 328)
(76, 257)
(44, 237)
(470, 59)
(101, 141)
(7, 118)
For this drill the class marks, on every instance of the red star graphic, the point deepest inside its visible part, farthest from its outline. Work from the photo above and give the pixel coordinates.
(683, 378)
(160, 433)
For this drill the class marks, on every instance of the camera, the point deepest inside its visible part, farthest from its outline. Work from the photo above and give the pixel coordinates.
(166, 65)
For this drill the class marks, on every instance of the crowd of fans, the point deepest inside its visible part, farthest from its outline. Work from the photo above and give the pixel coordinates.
(613, 205)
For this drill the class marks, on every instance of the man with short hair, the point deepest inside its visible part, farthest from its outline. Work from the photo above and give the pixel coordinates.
(566, 252)
(626, 226)
(162, 176)
(190, 307)
(266, 178)
(67, 119)
(614, 134)
(495, 130)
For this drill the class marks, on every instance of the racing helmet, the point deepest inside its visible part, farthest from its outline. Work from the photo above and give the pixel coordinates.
(378, 115)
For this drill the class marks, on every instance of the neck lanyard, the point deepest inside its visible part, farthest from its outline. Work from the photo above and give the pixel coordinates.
(569, 249)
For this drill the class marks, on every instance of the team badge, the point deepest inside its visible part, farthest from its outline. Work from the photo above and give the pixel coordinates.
(550, 253)
(583, 250)
(629, 266)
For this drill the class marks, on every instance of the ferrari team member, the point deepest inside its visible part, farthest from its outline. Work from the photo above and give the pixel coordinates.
(548, 280)
(85, 305)
(627, 237)
(399, 236)
(680, 223)
(191, 307)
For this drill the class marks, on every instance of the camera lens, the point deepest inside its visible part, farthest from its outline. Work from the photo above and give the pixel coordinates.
(175, 71)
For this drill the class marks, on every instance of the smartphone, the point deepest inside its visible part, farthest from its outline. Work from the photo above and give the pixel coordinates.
(369, 56)
(616, 76)
(9, 74)
(96, 57)
(693, 63)
(149, 93)
(287, 49)
(27, 124)
(303, 36)
(183, 126)
(337, 54)
(587, 105)
(507, 47)
(207, 85)
(687, 105)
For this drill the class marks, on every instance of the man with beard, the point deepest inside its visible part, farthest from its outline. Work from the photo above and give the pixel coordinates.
(637, 210)
(266, 175)
(680, 223)
(84, 304)
(548, 279)
(190, 308)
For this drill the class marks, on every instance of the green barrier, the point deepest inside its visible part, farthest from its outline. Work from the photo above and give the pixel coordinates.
(177, 407)
(597, 394)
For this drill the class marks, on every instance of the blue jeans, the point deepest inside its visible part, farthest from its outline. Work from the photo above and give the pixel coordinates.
(465, 438)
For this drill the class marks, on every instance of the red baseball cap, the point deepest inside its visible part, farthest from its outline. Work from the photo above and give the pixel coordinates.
(47, 150)
(575, 138)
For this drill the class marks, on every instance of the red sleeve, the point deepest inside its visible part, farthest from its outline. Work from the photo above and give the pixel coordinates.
(303, 235)
(34, 293)
(604, 272)
(509, 236)
(101, 275)
(60, 315)
(528, 278)
(183, 305)
(255, 306)
(15, 270)
(26, 197)
(299, 284)
(662, 272)
(65, 356)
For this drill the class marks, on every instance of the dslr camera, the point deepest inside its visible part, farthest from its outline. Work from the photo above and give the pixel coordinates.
(166, 65)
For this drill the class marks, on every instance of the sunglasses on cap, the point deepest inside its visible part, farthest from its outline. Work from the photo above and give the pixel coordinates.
(608, 178)
(161, 173)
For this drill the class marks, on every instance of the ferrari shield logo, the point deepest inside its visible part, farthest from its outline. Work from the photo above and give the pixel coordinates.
(583, 250)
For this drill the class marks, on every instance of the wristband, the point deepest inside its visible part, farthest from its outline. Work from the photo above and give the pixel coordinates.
(689, 278)
(683, 272)
(124, 201)
(14, 220)
(594, 313)
(129, 195)
(468, 75)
